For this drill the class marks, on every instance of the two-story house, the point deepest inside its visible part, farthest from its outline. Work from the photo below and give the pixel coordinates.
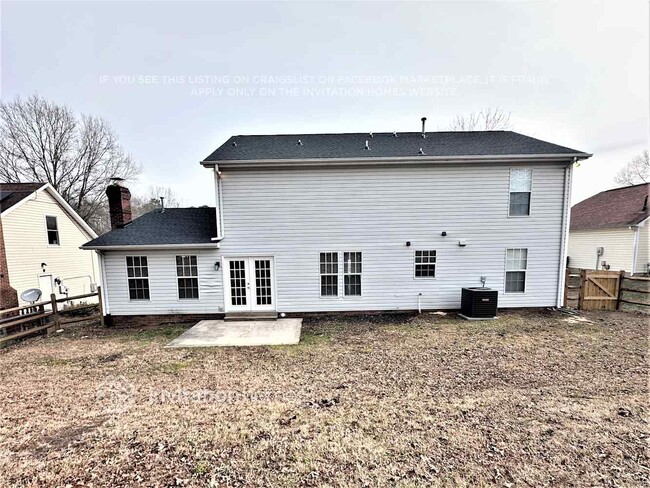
(40, 235)
(349, 222)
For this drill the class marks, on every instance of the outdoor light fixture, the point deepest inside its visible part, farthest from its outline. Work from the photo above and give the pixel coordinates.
(408, 243)
(43, 266)
(217, 265)
(444, 233)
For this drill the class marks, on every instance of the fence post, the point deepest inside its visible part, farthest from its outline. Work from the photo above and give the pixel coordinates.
(101, 305)
(619, 296)
(55, 311)
(583, 285)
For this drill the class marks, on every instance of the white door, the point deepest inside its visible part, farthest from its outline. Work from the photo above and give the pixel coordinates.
(248, 284)
(46, 286)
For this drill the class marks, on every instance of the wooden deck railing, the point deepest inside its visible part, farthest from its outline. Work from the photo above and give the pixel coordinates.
(19, 322)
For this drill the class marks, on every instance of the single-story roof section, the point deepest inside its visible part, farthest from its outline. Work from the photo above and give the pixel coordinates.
(374, 146)
(173, 227)
(620, 207)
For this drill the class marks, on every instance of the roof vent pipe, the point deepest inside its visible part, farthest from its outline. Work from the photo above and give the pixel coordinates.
(162, 204)
(299, 142)
(370, 134)
(424, 134)
(395, 134)
(421, 152)
(367, 148)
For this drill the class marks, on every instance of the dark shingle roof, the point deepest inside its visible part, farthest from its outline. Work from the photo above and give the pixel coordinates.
(12, 193)
(612, 208)
(173, 226)
(384, 145)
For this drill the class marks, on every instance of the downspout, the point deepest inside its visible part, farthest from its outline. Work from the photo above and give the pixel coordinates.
(218, 203)
(566, 217)
(635, 252)
(102, 278)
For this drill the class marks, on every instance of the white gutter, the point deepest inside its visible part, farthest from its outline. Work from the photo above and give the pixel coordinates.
(239, 163)
(153, 247)
(564, 239)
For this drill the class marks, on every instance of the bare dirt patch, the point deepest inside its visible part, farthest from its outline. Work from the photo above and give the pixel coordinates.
(530, 399)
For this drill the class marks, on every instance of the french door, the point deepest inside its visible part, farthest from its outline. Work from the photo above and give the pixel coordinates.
(249, 284)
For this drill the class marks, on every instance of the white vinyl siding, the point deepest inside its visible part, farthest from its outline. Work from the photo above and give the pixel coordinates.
(26, 245)
(163, 287)
(296, 214)
(618, 245)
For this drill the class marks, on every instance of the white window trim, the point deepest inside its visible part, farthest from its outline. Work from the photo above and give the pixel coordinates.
(435, 276)
(343, 274)
(530, 205)
(525, 271)
(198, 281)
(58, 231)
(338, 275)
(126, 269)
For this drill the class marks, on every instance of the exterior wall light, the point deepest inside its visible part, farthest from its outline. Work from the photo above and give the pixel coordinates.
(217, 266)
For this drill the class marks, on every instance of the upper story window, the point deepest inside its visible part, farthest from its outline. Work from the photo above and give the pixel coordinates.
(329, 274)
(352, 273)
(137, 271)
(425, 264)
(187, 276)
(521, 182)
(52, 226)
(516, 265)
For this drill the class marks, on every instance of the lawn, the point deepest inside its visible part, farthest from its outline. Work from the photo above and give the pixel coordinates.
(534, 398)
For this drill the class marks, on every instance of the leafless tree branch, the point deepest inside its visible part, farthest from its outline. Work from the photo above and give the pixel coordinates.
(43, 141)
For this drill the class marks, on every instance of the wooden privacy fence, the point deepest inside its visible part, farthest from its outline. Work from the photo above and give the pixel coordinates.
(19, 322)
(605, 290)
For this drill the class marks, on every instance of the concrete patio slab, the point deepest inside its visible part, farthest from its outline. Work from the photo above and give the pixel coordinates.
(208, 333)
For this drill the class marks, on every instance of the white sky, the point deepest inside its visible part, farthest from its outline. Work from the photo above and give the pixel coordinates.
(176, 79)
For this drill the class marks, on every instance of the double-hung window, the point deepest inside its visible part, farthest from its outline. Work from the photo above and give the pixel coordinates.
(425, 264)
(521, 181)
(137, 271)
(329, 274)
(187, 276)
(52, 226)
(352, 273)
(516, 265)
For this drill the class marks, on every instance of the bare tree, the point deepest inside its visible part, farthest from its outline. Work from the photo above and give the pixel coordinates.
(486, 119)
(635, 171)
(151, 200)
(43, 141)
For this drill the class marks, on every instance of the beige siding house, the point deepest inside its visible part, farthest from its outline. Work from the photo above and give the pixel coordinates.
(611, 230)
(41, 237)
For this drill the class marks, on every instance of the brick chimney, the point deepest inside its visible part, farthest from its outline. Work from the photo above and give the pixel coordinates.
(119, 203)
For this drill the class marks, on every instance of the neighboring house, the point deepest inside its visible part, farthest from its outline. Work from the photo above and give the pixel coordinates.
(349, 222)
(611, 230)
(40, 236)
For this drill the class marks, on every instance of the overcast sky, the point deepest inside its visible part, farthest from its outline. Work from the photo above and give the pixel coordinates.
(176, 79)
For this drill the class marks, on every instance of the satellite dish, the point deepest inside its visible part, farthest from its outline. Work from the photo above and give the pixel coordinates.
(32, 295)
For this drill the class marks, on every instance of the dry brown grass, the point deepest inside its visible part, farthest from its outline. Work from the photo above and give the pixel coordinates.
(529, 399)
